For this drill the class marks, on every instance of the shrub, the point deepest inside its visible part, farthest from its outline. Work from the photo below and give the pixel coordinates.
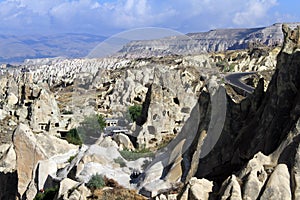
(120, 161)
(101, 122)
(48, 194)
(71, 158)
(73, 137)
(135, 112)
(90, 128)
(96, 182)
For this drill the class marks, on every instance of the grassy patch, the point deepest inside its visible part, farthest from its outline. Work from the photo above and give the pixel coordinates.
(134, 155)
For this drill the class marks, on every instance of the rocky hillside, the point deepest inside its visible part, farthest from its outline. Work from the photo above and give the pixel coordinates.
(192, 139)
(257, 154)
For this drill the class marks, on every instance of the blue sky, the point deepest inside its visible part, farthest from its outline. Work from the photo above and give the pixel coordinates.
(107, 17)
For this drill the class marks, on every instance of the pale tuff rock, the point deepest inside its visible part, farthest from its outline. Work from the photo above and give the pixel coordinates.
(31, 164)
(79, 193)
(45, 168)
(256, 59)
(64, 186)
(255, 176)
(123, 141)
(28, 153)
(291, 39)
(278, 186)
(12, 99)
(231, 189)
(197, 189)
(177, 162)
(101, 160)
(3, 114)
(72, 190)
(8, 158)
(45, 112)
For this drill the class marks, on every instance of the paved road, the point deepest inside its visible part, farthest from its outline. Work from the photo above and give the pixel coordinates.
(234, 79)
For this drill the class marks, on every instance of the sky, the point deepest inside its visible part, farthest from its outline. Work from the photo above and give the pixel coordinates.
(108, 17)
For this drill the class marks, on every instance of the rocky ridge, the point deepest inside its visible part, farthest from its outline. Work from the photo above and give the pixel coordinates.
(218, 40)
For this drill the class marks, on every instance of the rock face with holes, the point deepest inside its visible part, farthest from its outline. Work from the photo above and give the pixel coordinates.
(257, 148)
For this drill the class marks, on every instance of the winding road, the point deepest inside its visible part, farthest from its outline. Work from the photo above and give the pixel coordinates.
(234, 79)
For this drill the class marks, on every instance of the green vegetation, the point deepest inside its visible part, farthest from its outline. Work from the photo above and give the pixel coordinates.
(73, 137)
(135, 112)
(120, 161)
(101, 122)
(231, 67)
(71, 158)
(91, 127)
(96, 182)
(48, 194)
(134, 155)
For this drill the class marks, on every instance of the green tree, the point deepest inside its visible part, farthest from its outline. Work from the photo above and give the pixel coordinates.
(135, 112)
(90, 128)
(73, 137)
(101, 122)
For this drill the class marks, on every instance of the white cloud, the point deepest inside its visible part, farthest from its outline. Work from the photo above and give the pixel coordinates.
(254, 11)
(97, 16)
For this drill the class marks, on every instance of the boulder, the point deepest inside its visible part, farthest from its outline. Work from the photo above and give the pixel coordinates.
(80, 193)
(3, 114)
(123, 141)
(231, 189)
(12, 99)
(278, 186)
(197, 189)
(64, 186)
(101, 160)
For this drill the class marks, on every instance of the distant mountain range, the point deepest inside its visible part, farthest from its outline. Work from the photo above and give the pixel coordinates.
(17, 48)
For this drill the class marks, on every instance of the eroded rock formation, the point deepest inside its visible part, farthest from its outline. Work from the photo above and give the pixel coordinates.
(222, 148)
(257, 147)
